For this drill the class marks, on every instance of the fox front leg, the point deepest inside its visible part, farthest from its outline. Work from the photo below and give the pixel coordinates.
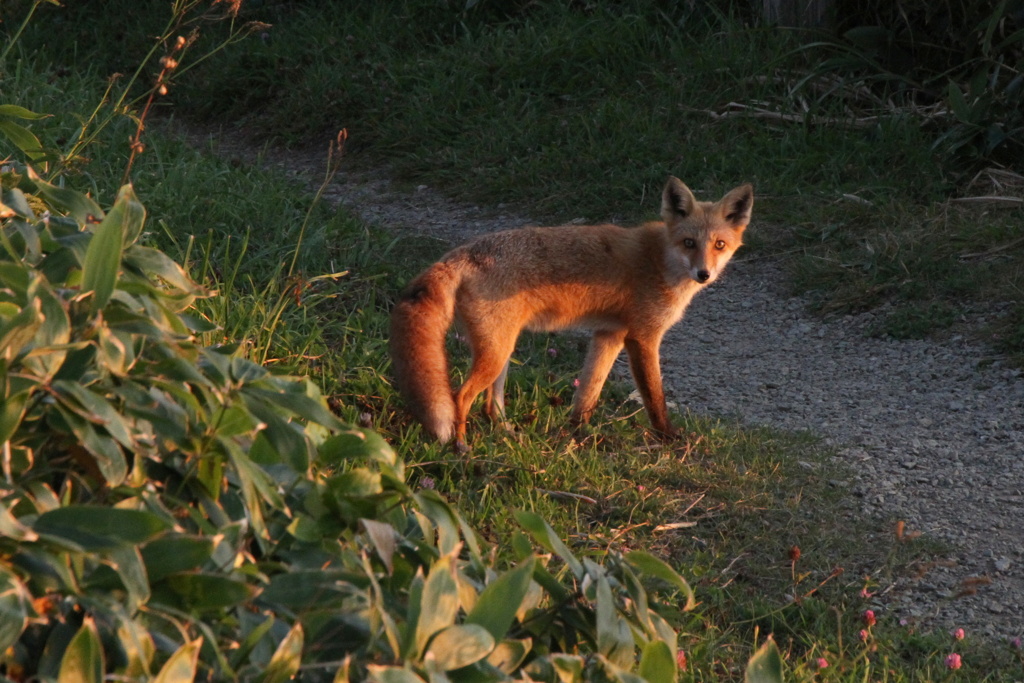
(645, 363)
(604, 349)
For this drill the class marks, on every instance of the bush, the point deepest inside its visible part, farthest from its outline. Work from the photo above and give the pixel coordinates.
(965, 57)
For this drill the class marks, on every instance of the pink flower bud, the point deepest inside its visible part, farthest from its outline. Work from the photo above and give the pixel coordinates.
(953, 661)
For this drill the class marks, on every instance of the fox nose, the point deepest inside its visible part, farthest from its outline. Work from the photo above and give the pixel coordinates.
(703, 275)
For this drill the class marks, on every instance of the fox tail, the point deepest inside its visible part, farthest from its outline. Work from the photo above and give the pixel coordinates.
(419, 324)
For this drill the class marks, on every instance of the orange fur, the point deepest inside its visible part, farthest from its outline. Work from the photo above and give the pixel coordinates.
(627, 285)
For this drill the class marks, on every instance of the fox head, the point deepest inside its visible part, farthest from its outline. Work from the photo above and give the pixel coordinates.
(704, 235)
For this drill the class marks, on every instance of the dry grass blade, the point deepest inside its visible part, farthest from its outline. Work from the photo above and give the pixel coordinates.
(992, 201)
(994, 250)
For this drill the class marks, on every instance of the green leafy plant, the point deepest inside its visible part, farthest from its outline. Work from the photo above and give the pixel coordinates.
(959, 63)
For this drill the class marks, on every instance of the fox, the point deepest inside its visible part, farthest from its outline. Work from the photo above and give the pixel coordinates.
(626, 286)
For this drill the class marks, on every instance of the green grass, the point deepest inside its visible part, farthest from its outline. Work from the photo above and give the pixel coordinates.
(581, 111)
(752, 494)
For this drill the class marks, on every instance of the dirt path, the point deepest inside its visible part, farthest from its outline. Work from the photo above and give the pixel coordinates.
(933, 439)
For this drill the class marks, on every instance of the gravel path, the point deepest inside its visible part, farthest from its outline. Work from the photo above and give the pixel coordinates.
(933, 439)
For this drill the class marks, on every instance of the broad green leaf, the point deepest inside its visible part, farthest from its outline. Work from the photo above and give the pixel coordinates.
(138, 647)
(79, 206)
(22, 138)
(652, 566)
(765, 666)
(103, 259)
(127, 562)
(547, 581)
(412, 614)
(535, 595)
(83, 659)
(21, 113)
(306, 528)
(497, 605)
(304, 590)
(17, 333)
(459, 646)
(568, 667)
(439, 604)
(958, 103)
(355, 483)
(350, 445)
(95, 409)
(663, 630)
(153, 262)
(15, 203)
(115, 351)
(384, 539)
(342, 674)
(444, 519)
(15, 608)
(287, 658)
(359, 444)
(233, 421)
(287, 438)
(52, 336)
(106, 454)
(508, 655)
(657, 663)
(392, 674)
(181, 667)
(12, 410)
(174, 553)
(17, 278)
(549, 540)
(309, 409)
(209, 591)
(255, 484)
(614, 638)
(239, 655)
(133, 217)
(99, 528)
(11, 526)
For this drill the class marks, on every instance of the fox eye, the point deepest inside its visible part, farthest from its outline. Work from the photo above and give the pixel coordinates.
(720, 244)
(689, 243)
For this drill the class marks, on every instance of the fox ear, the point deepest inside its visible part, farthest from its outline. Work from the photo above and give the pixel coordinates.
(737, 205)
(676, 201)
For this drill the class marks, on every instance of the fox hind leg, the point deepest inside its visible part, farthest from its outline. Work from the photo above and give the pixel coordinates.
(494, 397)
(491, 355)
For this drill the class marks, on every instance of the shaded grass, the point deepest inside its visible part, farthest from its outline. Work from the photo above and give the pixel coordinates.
(581, 110)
